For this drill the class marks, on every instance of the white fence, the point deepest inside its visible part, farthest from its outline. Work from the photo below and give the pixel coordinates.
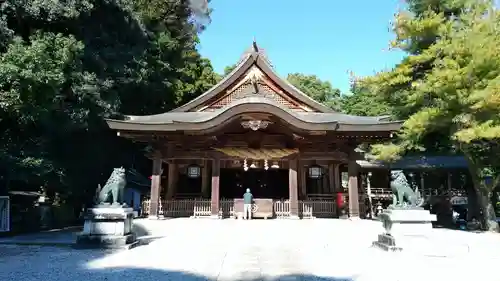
(202, 208)
(4, 214)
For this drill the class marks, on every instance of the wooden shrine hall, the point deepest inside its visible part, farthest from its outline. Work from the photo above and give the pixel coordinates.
(254, 130)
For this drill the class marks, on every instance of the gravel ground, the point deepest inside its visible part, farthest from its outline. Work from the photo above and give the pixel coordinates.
(332, 250)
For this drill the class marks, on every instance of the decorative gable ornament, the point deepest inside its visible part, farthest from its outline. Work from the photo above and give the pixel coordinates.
(254, 75)
(255, 125)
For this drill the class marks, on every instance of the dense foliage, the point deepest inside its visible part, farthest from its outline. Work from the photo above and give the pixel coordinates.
(66, 65)
(363, 102)
(448, 87)
(321, 91)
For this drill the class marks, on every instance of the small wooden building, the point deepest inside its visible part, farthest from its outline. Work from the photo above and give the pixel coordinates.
(254, 130)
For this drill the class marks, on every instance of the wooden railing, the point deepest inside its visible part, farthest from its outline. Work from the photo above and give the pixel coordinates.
(4, 214)
(312, 196)
(179, 195)
(202, 208)
(281, 208)
(318, 208)
(378, 192)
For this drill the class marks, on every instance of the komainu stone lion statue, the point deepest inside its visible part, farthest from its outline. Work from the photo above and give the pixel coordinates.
(401, 190)
(114, 189)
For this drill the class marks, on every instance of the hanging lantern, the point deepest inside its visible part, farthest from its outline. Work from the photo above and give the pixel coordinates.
(315, 172)
(193, 171)
(245, 165)
(266, 166)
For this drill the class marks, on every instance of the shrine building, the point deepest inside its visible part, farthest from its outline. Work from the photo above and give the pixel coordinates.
(255, 130)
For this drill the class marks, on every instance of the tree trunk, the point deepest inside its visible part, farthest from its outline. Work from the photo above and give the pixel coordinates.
(473, 208)
(488, 211)
(484, 192)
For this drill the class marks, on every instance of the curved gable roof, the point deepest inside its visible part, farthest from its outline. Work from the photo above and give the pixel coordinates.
(179, 121)
(253, 57)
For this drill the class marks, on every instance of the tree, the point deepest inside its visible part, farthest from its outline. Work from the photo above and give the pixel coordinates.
(321, 91)
(66, 65)
(448, 86)
(43, 93)
(172, 71)
(228, 69)
(364, 103)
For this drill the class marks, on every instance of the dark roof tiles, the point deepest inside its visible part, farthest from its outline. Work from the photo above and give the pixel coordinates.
(311, 117)
(320, 117)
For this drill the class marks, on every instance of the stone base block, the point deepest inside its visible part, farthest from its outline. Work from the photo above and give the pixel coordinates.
(406, 222)
(387, 243)
(107, 227)
(399, 223)
(105, 241)
(411, 229)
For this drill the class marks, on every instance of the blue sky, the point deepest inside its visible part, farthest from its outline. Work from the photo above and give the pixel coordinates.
(327, 38)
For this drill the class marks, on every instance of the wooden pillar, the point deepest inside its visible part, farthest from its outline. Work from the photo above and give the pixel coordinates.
(204, 179)
(369, 193)
(299, 181)
(303, 179)
(338, 177)
(353, 171)
(215, 188)
(292, 185)
(155, 187)
(172, 180)
(331, 177)
(325, 185)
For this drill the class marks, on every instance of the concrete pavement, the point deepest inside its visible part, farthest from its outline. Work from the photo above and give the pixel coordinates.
(204, 249)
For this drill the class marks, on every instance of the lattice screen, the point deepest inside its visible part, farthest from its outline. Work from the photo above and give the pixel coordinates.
(246, 89)
(236, 94)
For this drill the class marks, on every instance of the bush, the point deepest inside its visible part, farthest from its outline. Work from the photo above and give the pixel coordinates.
(63, 215)
(24, 219)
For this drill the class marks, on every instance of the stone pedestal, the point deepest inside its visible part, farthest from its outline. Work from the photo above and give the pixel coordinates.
(107, 227)
(399, 223)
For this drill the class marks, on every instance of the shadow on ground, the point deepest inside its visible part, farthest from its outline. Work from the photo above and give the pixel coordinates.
(23, 263)
(143, 235)
(67, 237)
(158, 275)
(139, 230)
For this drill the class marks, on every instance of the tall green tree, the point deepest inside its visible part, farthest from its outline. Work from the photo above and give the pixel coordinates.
(228, 69)
(448, 86)
(363, 102)
(321, 91)
(65, 65)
